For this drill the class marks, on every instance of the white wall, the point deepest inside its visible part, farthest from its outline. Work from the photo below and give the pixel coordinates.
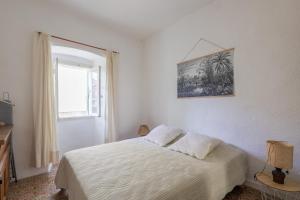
(266, 105)
(18, 21)
(79, 133)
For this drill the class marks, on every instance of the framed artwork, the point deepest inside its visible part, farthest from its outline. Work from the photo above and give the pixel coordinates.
(210, 75)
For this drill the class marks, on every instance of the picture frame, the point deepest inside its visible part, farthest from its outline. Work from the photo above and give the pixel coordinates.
(209, 75)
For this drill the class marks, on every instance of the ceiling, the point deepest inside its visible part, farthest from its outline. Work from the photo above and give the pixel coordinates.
(139, 18)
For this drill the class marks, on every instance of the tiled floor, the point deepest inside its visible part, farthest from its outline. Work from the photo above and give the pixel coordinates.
(42, 188)
(39, 187)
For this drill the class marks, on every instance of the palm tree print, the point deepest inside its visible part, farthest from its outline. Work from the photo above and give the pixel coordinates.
(222, 62)
(210, 75)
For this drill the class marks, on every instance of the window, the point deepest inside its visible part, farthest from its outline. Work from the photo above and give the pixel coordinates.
(77, 84)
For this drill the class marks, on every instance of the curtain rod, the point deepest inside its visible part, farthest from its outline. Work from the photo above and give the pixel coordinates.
(68, 40)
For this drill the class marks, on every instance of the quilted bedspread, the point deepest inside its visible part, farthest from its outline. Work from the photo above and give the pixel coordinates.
(139, 170)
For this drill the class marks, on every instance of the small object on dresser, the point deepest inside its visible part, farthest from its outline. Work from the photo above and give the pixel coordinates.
(143, 130)
(5, 96)
(6, 112)
(2, 123)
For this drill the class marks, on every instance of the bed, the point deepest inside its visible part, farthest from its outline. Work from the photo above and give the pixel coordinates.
(136, 169)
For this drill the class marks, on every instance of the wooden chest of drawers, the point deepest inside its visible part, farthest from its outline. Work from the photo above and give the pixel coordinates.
(5, 138)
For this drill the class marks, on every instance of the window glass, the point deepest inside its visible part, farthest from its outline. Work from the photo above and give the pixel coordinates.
(72, 90)
(94, 92)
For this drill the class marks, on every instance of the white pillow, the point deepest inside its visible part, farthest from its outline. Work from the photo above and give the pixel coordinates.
(195, 145)
(162, 135)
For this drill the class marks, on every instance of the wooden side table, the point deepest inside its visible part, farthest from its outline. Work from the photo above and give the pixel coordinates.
(274, 191)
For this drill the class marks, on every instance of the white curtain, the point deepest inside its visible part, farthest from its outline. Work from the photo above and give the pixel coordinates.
(110, 109)
(44, 112)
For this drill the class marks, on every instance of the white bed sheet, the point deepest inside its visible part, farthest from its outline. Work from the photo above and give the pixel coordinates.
(139, 170)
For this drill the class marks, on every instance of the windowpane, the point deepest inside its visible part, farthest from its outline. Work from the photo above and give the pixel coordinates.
(72, 90)
(94, 92)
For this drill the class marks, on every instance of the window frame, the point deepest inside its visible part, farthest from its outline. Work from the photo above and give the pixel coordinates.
(69, 61)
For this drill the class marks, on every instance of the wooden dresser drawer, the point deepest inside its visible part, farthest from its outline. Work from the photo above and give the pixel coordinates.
(3, 148)
(5, 141)
(4, 174)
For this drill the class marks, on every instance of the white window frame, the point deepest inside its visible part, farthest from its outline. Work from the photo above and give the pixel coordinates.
(67, 60)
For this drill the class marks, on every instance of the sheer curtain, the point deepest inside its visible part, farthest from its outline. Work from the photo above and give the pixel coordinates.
(44, 112)
(110, 108)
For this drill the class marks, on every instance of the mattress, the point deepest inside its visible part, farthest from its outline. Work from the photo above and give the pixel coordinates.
(136, 169)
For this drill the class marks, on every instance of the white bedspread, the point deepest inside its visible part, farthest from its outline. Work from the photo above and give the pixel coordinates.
(139, 170)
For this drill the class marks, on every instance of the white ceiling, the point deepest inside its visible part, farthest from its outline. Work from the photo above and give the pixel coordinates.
(140, 18)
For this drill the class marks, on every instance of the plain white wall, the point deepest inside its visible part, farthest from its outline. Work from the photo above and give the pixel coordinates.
(266, 105)
(78, 133)
(18, 21)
